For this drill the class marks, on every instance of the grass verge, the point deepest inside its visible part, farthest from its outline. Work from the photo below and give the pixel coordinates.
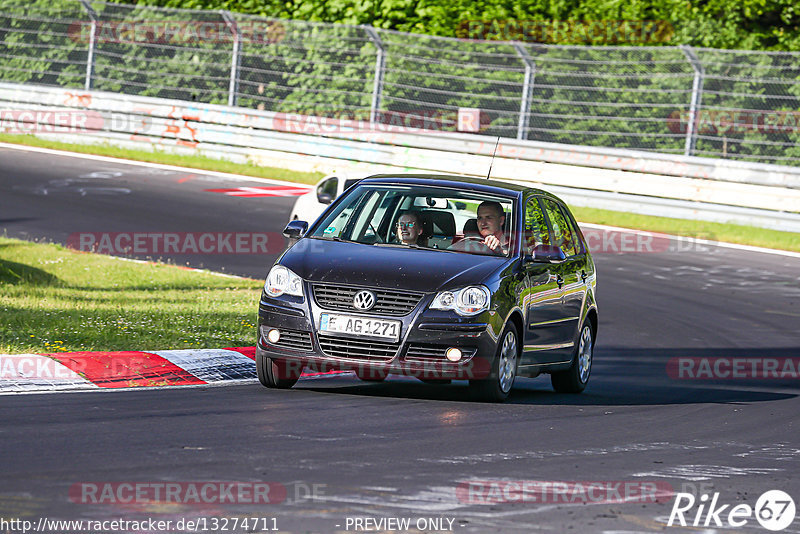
(731, 233)
(195, 162)
(53, 299)
(746, 235)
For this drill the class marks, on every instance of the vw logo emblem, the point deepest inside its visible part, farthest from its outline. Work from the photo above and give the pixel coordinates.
(364, 300)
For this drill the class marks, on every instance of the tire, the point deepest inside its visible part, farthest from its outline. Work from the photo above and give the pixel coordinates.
(504, 369)
(574, 379)
(276, 374)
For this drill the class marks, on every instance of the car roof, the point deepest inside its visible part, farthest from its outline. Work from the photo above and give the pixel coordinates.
(465, 182)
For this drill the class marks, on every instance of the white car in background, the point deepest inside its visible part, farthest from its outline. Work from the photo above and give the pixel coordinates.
(311, 205)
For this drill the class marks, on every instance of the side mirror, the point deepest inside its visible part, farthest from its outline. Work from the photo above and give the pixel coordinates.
(295, 229)
(548, 254)
(324, 198)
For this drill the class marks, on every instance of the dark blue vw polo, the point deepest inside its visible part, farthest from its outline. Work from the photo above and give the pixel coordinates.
(438, 277)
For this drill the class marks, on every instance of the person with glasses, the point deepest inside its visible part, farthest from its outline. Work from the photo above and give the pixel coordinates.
(409, 229)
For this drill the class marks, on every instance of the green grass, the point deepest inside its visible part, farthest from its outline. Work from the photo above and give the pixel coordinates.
(195, 162)
(53, 299)
(732, 233)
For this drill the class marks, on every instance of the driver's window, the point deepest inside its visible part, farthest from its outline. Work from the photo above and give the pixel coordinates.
(536, 232)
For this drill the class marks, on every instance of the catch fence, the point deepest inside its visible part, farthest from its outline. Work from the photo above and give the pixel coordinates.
(680, 100)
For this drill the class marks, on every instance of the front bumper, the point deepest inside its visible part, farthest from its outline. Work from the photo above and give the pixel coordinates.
(424, 339)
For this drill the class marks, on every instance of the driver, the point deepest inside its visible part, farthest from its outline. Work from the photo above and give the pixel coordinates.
(409, 229)
(491, 218)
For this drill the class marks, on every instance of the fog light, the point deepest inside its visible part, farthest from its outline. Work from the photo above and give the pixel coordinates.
(274, 336)
(453, 354)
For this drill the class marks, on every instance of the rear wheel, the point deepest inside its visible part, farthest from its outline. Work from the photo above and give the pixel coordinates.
(574, 379)
(278, 374)
(504, 369)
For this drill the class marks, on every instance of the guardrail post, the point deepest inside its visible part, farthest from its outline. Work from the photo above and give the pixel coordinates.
(92, 38)
(527, 91)
(377, 88)
(694, 105)
(233, 85)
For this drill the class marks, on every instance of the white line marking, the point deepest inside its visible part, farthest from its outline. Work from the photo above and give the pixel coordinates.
(122, 161)
(707, 472)
(182, 267)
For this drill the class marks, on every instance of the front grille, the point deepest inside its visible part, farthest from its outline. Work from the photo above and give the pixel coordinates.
(387, 302)
(290, 340)
(433, 353)
(340, 347)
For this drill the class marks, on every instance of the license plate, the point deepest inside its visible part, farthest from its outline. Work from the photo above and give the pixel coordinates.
(360, 326)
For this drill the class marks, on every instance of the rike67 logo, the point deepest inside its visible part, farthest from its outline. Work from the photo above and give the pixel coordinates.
(774, 510)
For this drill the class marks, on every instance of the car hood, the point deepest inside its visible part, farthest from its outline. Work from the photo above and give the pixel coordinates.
(318, 260)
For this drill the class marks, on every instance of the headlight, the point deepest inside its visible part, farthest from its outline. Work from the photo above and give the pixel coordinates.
(281, 280)
(470, 300)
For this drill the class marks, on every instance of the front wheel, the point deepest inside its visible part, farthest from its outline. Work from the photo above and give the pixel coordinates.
(278, 374)
(574, 379)
(504, 369)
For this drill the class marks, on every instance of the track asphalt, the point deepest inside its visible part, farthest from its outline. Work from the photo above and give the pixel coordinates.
(341, 448)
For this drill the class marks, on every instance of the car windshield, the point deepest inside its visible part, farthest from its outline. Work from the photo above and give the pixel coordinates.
(437, 218)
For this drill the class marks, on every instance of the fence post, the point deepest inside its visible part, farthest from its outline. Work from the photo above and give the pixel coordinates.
(527, 91)
(92, 38)
(694, 105)
(377, 88)
(233, 85)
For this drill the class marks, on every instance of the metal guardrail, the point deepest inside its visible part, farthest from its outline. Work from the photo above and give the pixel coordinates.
(587, 176)
(732, 104)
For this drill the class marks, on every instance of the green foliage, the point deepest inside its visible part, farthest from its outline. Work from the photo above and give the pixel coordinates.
(748, 24)
(618, 96)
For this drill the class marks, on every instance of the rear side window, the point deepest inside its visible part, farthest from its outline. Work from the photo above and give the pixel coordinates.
(536, 232)
(563, 231)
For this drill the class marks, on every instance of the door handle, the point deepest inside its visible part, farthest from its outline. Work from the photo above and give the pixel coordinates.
(584, 276)
(559, 280)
